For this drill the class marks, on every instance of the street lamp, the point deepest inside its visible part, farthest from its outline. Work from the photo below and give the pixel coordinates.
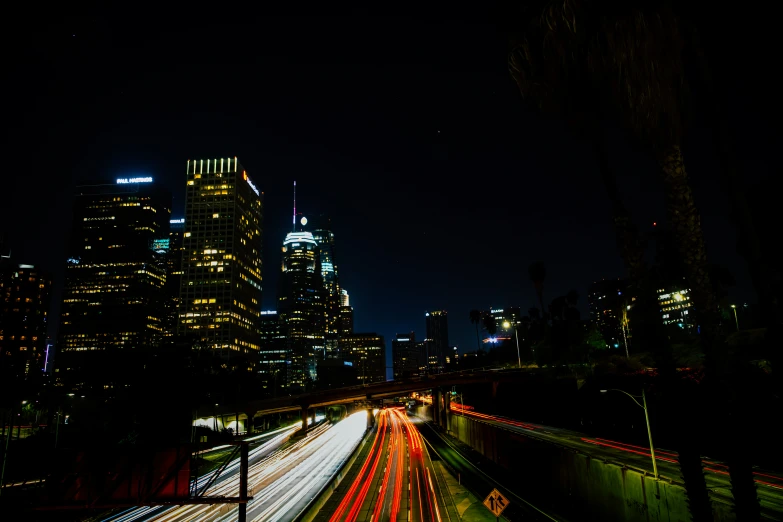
(736, 321)
(506, 325)
(647, 419)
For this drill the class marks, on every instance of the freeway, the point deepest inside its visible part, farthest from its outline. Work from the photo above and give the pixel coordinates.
(396, 480)
(282, 478)
(769, 484)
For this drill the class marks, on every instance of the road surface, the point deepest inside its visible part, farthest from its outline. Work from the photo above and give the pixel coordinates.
(281, 480)
(396, 481)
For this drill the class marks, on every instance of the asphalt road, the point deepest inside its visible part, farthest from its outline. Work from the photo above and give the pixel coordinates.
(769, 484)
(282, 478)
(395, 481)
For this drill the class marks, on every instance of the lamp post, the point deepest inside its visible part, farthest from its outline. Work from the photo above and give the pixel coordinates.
(736, 321)
(461, 399)
(506, 324)
(643, 406)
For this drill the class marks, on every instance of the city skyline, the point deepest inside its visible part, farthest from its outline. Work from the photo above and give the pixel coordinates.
(380, 158)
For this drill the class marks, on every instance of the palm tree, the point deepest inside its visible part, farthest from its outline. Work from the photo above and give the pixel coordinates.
(475, 318)
(537, 272)
(627, 64)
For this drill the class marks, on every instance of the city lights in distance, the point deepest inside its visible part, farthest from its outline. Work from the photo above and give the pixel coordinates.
(176, 221)
(125, 181)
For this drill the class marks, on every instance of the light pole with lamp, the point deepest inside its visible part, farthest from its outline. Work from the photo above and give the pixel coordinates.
(506, 325)
(461, 399)
(736, 321)
(643, 406)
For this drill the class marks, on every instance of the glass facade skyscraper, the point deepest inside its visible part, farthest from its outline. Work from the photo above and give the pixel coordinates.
(301, 307)
(325, 239)
(367, 352)
(25, 296)
(272, 364)
(113, 311)
(438, 335)
(405, 356)
(220, 294)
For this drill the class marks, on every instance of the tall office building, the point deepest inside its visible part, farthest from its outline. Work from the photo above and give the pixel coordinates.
(367, 352)
(325, 238)
(113, 311)
(345, 299)
(405, 356)
(438, 335)
(272, 364)
(301, 306)
(345, 326)
(25, 297)
(173, 253)
(220, 294)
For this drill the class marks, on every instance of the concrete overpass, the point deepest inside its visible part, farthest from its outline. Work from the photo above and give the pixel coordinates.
(388, 389)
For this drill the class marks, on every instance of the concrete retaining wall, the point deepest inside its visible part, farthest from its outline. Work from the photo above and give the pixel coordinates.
(576, 485)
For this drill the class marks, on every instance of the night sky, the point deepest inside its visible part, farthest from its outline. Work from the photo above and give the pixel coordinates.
(442, 184)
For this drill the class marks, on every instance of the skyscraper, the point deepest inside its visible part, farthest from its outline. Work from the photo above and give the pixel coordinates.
(272, 364)
(25, 296)
(346, 321)
(173, 274)
(332, 297)
(301, 306)
(113, 311)
(367, 352)
(405, 356)
(438, 335)
(220, 295)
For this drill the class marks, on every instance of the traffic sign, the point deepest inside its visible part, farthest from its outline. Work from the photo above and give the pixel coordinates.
(496, 502)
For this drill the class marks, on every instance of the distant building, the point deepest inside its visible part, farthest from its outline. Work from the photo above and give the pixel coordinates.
(346, 321)
(336, 373)
(405, 356)
(438, 335)
(113, 313)
(25, 297)
(452, 359)
(345, 300)
(272, 364)
(428, 357)
(505, 321)
(324, 236)
(173, 253)
(676, 307)
(301, 305)
(220, 294)
(608, 303)
(367, 352)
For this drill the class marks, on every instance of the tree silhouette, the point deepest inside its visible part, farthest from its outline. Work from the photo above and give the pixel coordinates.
(475, 318)
(628, 63)
(537, 272)
(490, 325)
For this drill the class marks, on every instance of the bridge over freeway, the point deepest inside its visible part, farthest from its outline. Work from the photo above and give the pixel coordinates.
(382, 390)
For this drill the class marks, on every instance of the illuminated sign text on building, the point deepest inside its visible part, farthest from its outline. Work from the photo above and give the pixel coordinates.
(125, 181)
(244, 175)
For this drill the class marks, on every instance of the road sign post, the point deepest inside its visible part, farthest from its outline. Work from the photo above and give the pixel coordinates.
(496, 502)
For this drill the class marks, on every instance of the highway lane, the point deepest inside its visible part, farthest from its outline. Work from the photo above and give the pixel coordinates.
(284, 496)
(264, 460)
(396, 481)
(769, 484)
